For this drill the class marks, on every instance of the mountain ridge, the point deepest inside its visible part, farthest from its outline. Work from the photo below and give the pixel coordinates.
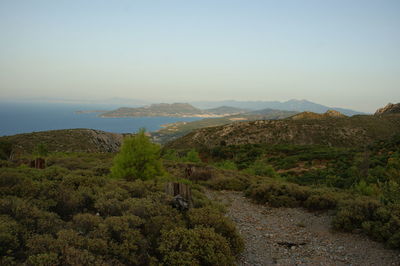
(290, 105)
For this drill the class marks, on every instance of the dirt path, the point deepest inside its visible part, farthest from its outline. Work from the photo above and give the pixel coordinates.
(293, 236)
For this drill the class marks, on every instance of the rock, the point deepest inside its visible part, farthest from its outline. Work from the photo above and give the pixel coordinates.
(390, 108)
(106, 141)
(180, 203)
(334, 113)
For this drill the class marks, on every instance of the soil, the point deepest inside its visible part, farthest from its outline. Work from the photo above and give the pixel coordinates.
(294, 236)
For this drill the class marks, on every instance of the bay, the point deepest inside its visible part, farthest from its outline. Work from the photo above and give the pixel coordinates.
(25, 117)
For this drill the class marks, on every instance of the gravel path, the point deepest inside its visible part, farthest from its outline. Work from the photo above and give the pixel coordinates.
(293, 236)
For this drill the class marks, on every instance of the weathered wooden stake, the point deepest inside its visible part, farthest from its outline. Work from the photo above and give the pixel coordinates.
(181, 193)
(38, 163)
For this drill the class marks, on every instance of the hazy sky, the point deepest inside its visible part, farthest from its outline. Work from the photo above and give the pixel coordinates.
(335, 52)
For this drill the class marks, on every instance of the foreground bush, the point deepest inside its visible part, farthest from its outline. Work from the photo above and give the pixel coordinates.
(198, 246)
(58, 216)
(212, 218)
(279, 194)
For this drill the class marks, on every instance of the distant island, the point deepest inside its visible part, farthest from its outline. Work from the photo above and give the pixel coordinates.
(90, 111)
(218, 109)
(173, 110)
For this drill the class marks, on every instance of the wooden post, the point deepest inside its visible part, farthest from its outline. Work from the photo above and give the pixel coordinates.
(181, 193)
(196, 173)
(38, 163)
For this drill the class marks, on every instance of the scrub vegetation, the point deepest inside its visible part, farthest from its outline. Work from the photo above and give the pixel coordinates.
(102, 208)
(107, 209)
(360, 186)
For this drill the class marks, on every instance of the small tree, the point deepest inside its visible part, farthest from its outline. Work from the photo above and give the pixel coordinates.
(262, 169)
(138, 158)
(192, 157)
(41, 150)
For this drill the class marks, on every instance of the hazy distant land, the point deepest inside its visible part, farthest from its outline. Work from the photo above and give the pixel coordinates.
(217, 109)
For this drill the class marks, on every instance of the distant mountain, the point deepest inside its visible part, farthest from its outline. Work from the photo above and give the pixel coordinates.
(291, 105)
(273, 113)
(222, 110)
(390, 108)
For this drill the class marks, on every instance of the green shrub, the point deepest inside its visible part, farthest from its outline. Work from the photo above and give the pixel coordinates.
(9, 235)
(391, 193)
(364, 189)
(41, 150)
(192, 157)
(199, 173)
(262, 169)
(212, 218)
(58, 216)
(86, 222)
(171, 155)
(198, 198)
(353, 212)
(228, 183)
(197, 246)
(5, 149)
(44, 259)
(227, 165)
(279, 193)
(138, 158)
(324, 201)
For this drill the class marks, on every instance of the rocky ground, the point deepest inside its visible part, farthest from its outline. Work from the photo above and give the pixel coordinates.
(293, 236)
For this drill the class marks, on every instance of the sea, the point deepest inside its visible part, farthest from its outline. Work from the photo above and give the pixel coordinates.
(26, 117)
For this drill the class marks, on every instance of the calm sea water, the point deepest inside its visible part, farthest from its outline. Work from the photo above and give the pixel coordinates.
(29, 117)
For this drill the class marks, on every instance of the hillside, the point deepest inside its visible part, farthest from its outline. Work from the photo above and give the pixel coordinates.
(311, 115)
(68, 140)
(342, 132)
(175, 130)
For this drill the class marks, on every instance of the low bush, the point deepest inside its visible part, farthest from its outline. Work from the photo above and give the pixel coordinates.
(212, 218)
(197, 246)
(353, 212)
(278, 193)
(199, 173)
(323, 201)
(262, 169)
(227, 165)
(228, 183)
(192, 156)
(59, 216)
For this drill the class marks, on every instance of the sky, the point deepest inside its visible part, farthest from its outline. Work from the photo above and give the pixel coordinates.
(343, 53)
